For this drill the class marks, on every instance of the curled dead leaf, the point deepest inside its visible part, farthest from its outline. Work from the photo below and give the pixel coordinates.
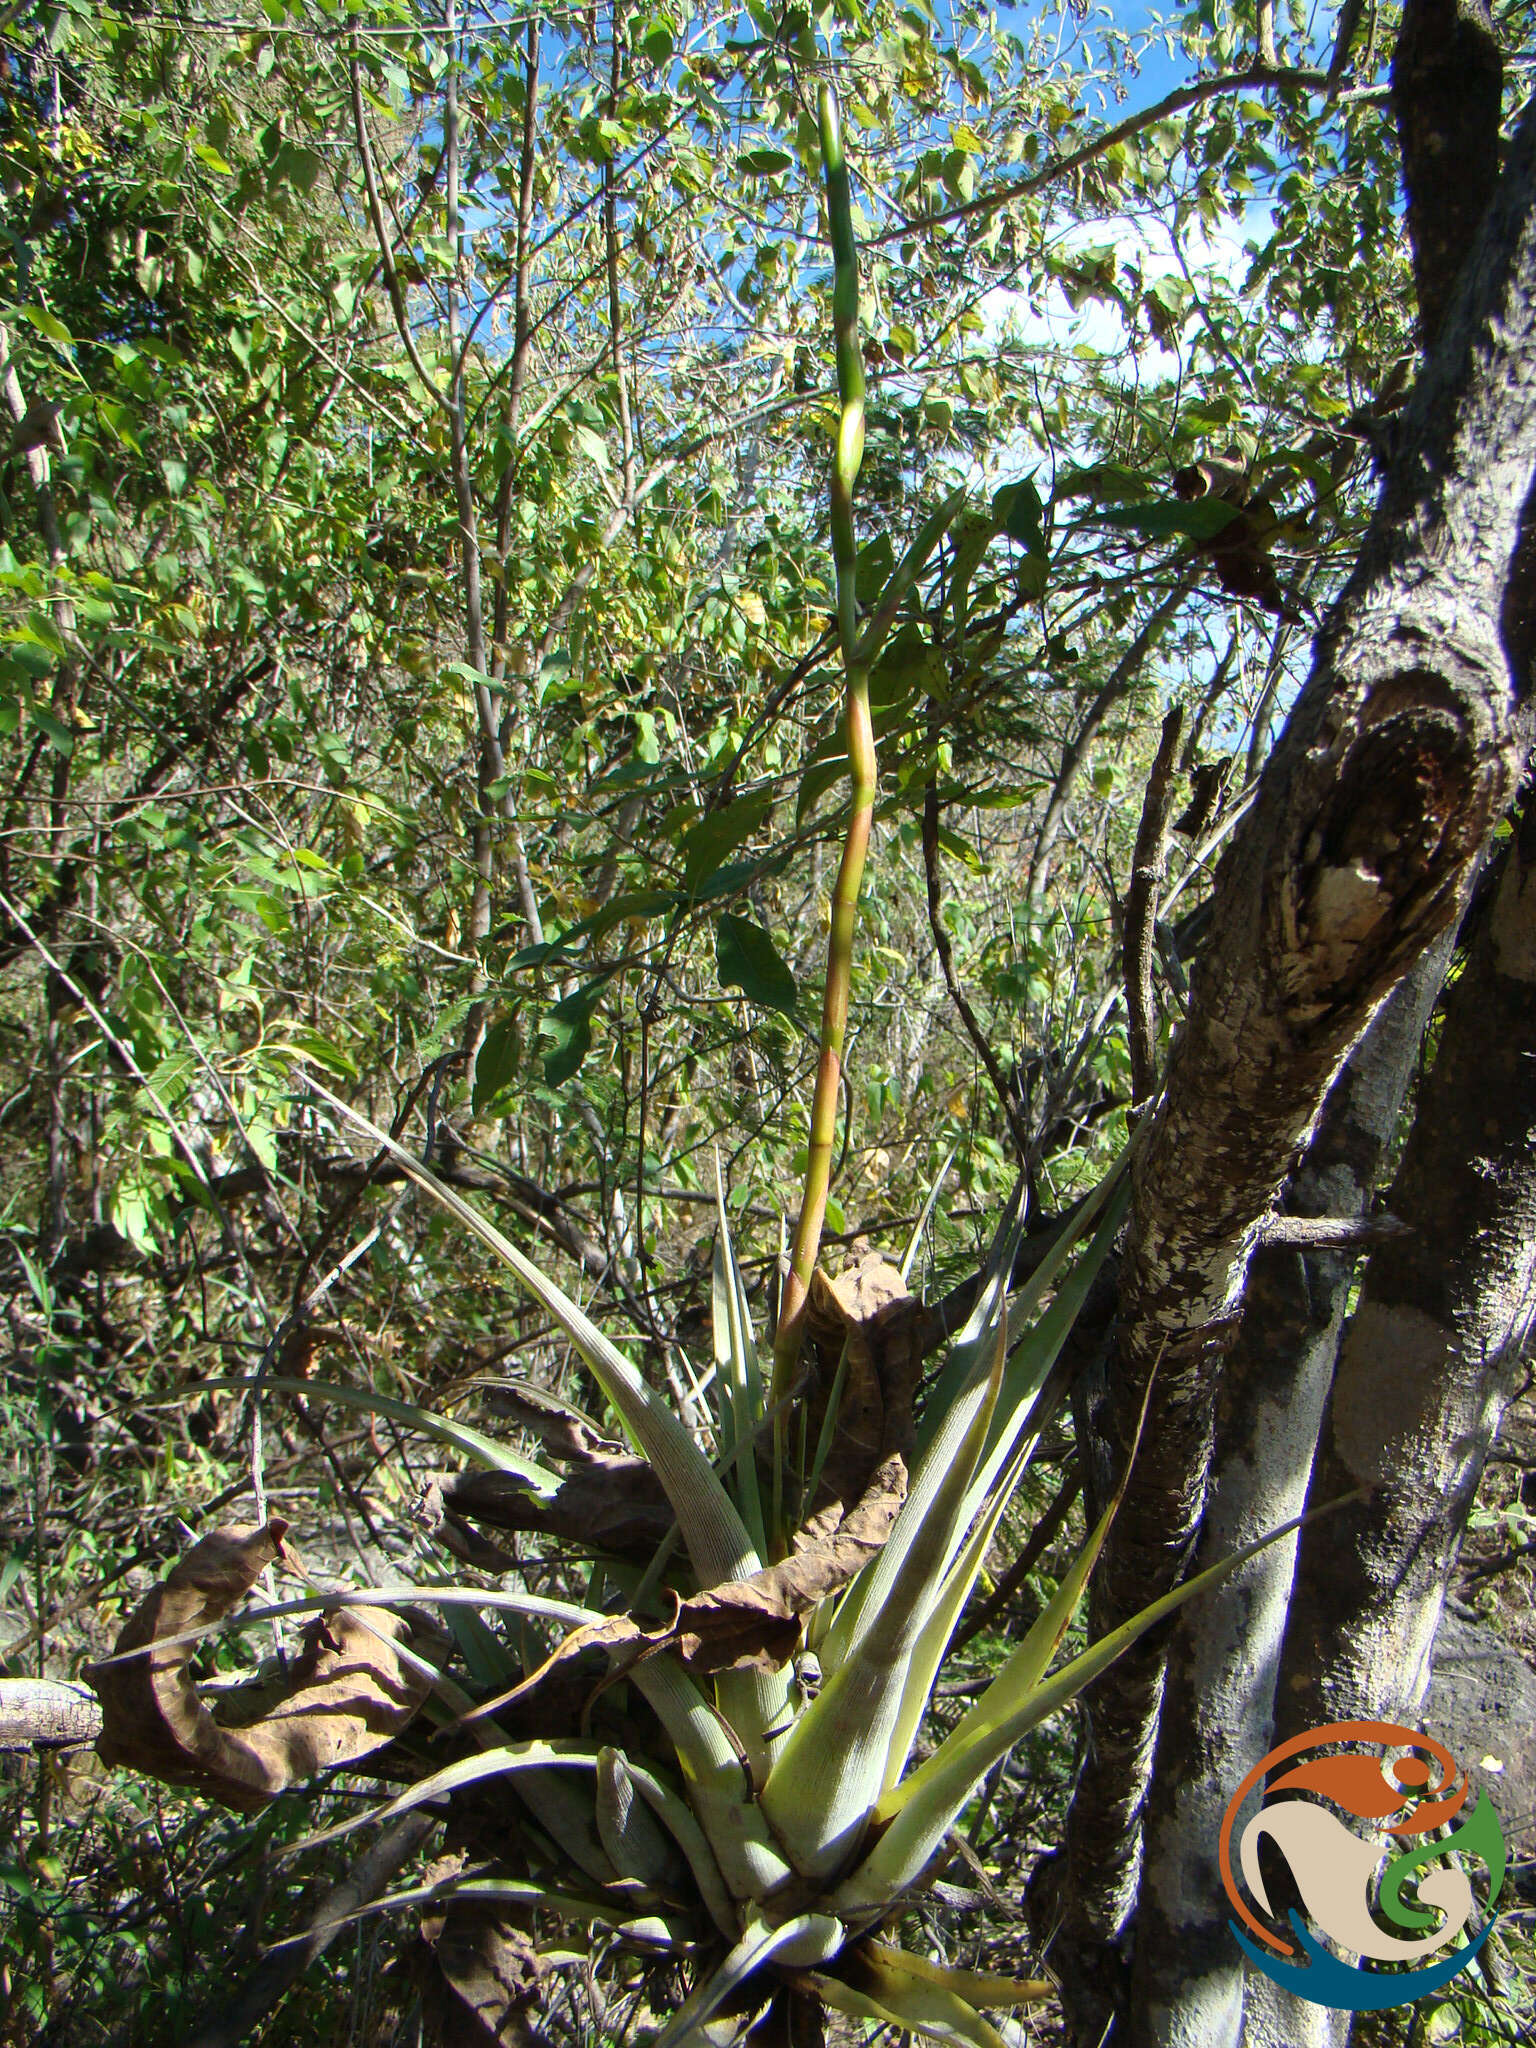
(743, 1623)
(482, 1979)
(348, 1693)
(610, 1502)
(869, 1309)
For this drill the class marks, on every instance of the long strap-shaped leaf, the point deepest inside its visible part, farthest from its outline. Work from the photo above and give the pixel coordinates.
(972, 1361)
(716, 1537)
(922, 1808)
(1010, 1443)
(469, 1770)
(678, 1818)
(754, 1702)
(981, 1988)
(831, 1770)
(897, 1999)
(501, 1891)
(1032, 1293)
(716, 1775)
(933, 1643)
(374, 1596)
(483, 1449)
(740, 1375)
(1041, 1345)
(758, 1945)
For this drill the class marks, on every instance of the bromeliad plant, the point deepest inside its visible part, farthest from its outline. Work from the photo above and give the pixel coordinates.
(715, 1754)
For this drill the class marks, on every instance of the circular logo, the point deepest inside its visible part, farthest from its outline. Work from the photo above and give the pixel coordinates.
(1358, 1827)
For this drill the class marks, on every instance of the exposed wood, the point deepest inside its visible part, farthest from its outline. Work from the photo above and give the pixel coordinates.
(46, 1713)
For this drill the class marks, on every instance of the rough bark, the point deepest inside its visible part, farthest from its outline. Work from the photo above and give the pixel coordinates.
(1402, 751)
(1218, 1711)
(1447, 85)
(1219, 1701)
(1428, 1360)
(46, 1713)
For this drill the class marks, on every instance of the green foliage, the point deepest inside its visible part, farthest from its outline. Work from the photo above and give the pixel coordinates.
(558, 888)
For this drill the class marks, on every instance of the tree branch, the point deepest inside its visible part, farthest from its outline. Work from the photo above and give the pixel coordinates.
(1147, 868)
(1007, 1096)
(1402, 751)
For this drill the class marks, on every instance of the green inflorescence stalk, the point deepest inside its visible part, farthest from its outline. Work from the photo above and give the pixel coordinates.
(861, 749)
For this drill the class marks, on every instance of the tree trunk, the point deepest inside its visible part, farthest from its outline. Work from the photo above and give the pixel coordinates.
(1427, 1362)
(1219, 1701)
(1402, 752)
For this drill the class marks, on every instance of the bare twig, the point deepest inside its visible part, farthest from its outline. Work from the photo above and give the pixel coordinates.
(1006, 1095)
(1253, 78)
(1120, 679)
(386, 247)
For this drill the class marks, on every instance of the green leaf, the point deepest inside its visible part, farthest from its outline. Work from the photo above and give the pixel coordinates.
(876, 559)
(928, 2010)
(719, 833)
(335, 759)
(765, 163)
(496, 1064)
(48, 324)
(568, 1026)
(713, 1531)
(483, 1449)
(323, 1051)
(1201, 519)
(470, 1770)
(1019, 512)
(746, 958)
(58, 735)
(818, 778)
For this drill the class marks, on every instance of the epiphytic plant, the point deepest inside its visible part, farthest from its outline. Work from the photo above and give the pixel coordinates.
(715, 1757)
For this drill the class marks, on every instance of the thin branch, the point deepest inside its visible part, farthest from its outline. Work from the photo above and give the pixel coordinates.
(386, 250)
(611, 251)
(1255, 77)
(1006, 1096)
(1120, 680)
(1148, 864)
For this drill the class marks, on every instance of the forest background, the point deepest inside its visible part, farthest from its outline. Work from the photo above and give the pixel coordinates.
(418, 668)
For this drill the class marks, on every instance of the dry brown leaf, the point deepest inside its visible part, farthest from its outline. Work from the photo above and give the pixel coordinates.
(348, 1693)
(870, 1310)
(610, 1502)
(562, 1432)
(744, 1623)
(481, 1978)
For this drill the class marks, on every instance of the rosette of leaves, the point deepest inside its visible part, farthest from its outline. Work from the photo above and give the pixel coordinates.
(713, 1752)
(668, 1768)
